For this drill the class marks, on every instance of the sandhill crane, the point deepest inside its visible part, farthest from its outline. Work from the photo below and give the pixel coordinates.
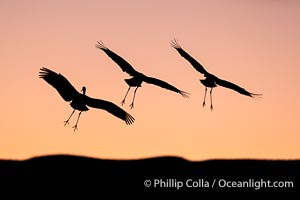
(211, 80)
(81, 101)
(137, 77)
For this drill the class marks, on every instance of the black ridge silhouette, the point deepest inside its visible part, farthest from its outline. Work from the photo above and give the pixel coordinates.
(73, 175)
(137, 77)
(211, 80)
(81, 101)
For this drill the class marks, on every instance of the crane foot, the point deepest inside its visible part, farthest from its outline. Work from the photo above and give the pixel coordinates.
(75, 127)
(66, 122)
(123, 102)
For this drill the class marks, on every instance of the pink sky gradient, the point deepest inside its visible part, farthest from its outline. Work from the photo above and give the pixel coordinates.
(254, 44)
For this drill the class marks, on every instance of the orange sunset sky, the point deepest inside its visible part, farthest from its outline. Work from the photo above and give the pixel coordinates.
(254, 44)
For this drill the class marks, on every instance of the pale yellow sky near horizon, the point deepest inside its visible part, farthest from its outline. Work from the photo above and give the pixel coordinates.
(254, 44)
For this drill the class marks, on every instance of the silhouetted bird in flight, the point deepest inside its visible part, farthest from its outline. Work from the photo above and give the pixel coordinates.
(81, 101)
(211, 80)
(137, 77)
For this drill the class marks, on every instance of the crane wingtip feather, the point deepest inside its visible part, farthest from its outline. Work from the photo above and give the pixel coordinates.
(256, 96)
(174, 43)
(129, 119)
(100, 45)
(185, 94)
(44, 72)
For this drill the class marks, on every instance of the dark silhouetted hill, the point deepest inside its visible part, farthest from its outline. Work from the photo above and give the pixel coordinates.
(165, 176)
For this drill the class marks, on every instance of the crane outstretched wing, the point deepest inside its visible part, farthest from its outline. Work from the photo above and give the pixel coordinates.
(59, 82)
(125, 66)
(189, 58)
(165, 85)
(109, 107)
(237, 88)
